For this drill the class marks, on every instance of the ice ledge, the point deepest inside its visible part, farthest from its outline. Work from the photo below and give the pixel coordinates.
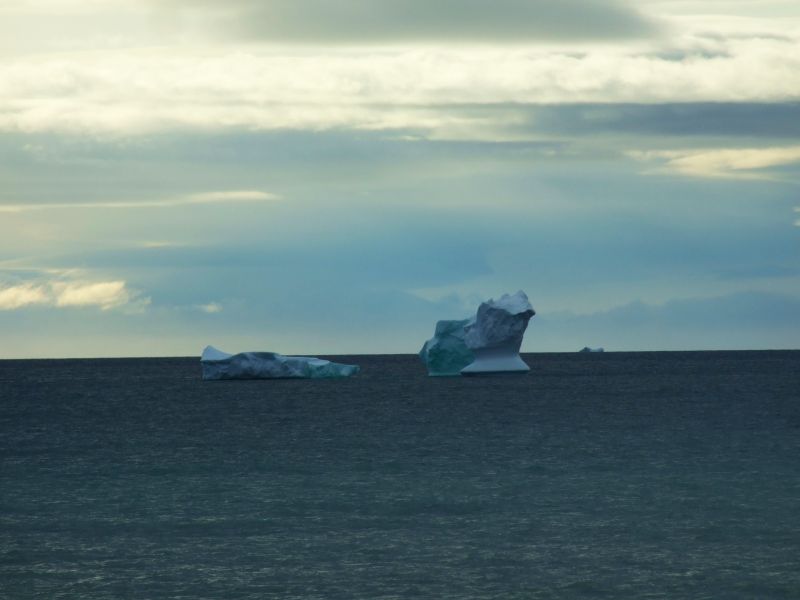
(218, 365)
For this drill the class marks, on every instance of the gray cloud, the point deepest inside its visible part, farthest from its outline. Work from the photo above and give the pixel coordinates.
(690, 119)
(366, 21)
(743, 320)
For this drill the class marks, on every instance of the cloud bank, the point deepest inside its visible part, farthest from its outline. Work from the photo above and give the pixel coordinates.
(139, 92)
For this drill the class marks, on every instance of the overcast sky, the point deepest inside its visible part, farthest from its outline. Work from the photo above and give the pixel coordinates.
(316, 177)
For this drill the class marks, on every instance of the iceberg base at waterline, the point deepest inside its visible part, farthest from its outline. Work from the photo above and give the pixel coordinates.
(496, 361)
(218, 365)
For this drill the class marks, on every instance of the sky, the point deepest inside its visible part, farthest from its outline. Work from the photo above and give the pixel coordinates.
(317, 177)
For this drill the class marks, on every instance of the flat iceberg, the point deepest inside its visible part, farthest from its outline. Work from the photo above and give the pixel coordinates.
(495, 336)
(269, 365)
(446, 353)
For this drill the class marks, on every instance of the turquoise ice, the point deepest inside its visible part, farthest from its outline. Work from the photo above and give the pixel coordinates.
(446, 353)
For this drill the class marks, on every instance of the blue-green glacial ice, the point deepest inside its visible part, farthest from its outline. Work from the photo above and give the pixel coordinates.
(269, 365)
(446, 353)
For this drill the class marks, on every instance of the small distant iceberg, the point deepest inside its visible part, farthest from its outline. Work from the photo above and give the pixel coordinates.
(587, 349)
(218, 365)
(446, 353)
(489, 342)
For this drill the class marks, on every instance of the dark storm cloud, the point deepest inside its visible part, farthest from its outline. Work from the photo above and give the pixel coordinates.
(367, 21)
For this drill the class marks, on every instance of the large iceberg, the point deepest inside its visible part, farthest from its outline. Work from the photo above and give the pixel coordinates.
(495, 336)
(268, 365)
(446, 353)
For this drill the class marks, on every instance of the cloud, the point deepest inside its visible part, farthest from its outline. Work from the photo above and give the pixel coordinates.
(44, 6)
(154, 244)
(741, 309)
(138, 92)
(211, 308)
(18, 296)
(742, 163)
(229, 197)
(699, 120)
(742, 320)
(363, 22)
(733, 10)
(104, 295)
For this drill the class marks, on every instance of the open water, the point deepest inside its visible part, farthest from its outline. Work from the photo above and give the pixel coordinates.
(616, 475)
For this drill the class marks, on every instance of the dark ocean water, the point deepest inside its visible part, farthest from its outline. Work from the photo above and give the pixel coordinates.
(616, 475)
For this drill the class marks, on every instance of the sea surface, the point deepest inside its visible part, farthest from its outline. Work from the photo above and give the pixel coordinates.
(615, 475)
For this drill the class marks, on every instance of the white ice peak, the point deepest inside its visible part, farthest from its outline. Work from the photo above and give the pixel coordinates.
(512, 303)
(211, 353)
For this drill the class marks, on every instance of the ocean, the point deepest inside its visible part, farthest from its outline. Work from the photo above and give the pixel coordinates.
(614, 475)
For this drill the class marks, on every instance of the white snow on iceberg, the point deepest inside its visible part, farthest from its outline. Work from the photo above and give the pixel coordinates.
(269, 365)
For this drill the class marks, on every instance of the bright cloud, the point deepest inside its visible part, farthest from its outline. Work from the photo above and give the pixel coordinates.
(139, 92)
(746, 163)
(18, 296)
(178, 65)
(232, 197)
(104, 295)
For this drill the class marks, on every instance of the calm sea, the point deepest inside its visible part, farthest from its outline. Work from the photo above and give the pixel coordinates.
(616, 475)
